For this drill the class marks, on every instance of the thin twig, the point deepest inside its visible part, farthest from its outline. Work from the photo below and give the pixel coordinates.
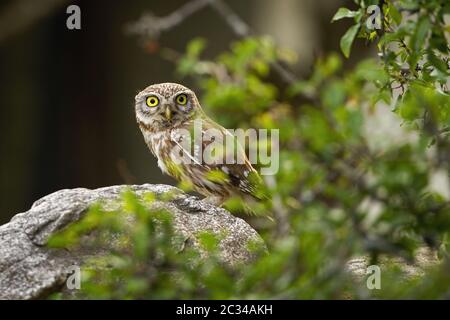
(242, 29)
(239, 27)
(149, 26)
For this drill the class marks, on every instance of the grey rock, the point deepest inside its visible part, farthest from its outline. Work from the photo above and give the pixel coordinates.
(424, 259)
(30, 270)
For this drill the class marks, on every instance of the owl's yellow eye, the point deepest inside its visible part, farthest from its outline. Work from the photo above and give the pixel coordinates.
(182, 99)
(152, 101)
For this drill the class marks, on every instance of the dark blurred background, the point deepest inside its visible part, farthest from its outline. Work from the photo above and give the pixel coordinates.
(66, 96)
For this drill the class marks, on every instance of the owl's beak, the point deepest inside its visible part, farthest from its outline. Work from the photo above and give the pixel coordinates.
(168, 113)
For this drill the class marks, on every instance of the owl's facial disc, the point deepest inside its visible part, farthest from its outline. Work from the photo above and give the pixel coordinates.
(160, 108)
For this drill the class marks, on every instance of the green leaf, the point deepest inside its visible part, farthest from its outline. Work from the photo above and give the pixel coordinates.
(195, 47)
(344, 13)
(348, 38)
(438, 40)
(437, 63)
(395, 14)
(418, 41)
(370, 70)
(421, 33)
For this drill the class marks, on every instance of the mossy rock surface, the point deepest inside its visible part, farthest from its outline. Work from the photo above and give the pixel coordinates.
(31, 270)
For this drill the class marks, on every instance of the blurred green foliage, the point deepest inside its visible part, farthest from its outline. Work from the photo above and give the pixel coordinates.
(330, 179)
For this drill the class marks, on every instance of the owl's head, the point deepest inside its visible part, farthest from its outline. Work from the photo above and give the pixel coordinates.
(164, 105)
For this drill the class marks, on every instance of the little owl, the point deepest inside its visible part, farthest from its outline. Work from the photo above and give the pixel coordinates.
(164, 111)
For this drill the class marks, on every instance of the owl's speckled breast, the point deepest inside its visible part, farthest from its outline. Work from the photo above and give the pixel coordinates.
(160, 145)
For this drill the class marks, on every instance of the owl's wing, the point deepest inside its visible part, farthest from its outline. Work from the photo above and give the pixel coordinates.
(239, 176)
(246, 179)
